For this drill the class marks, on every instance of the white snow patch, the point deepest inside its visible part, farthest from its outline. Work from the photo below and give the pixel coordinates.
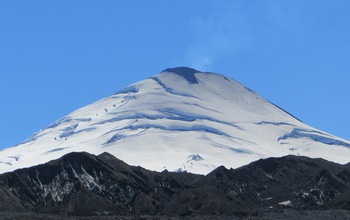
(286, 203)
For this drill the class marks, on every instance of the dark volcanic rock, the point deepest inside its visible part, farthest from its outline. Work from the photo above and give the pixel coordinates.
(86, 185)
(185, 72)
(83, 184)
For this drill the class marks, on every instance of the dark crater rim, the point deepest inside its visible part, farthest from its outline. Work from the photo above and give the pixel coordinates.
(185, 72)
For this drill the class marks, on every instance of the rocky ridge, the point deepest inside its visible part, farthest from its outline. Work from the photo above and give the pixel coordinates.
(81, 184)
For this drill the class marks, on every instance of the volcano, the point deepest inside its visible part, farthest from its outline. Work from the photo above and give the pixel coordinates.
(181, 119)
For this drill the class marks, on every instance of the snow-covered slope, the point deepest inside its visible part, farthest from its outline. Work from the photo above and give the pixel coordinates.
(180, 119)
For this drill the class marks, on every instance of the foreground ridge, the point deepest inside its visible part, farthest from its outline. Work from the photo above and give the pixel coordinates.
(81, 184)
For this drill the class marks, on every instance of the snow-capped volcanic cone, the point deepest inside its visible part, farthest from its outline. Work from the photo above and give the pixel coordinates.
(180, 119)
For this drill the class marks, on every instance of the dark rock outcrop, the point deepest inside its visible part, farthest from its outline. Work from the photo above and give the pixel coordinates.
(86, 185)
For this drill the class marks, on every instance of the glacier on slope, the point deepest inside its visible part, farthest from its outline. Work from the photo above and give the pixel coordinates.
(181, 119)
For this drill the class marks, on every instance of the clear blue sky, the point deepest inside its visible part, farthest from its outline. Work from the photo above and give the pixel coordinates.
(57, 56)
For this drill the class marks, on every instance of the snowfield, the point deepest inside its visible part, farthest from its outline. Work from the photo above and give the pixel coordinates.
(179, 120)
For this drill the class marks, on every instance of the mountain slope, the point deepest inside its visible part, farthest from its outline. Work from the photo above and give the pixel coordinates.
(84, 184)
(81, 184)
(180, 119)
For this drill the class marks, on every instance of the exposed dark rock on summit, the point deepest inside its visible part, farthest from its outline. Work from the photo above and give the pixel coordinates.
(185, 72)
